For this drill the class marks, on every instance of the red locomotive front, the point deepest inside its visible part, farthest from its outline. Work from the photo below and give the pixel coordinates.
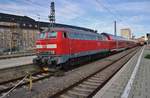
(50, 49)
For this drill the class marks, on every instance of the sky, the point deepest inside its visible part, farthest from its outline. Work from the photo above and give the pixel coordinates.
(95, 14)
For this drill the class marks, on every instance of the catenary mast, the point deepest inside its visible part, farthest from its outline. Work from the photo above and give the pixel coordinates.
(52, 15)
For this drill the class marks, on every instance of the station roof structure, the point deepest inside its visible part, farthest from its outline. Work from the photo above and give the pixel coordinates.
(27, 22)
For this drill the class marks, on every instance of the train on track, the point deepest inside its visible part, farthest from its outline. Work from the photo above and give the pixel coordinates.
(60, 46)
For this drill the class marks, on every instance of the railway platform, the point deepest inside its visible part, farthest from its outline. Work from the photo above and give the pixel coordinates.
(13, 62)
(132, 81)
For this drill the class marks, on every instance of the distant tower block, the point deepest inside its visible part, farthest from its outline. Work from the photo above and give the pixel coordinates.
(52, 14)
(126, 33)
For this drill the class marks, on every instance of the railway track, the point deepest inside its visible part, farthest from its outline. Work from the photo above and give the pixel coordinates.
(88, 86)
(84, 88)
(8, 86)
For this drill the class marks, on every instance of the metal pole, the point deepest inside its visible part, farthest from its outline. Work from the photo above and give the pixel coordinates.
(52, 14)
(10, 43)
(3, 41)
(115, 28)
(38, 16)
(115, 33)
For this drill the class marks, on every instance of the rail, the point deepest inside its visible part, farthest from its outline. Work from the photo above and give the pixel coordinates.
(88, 86)
(8, 86)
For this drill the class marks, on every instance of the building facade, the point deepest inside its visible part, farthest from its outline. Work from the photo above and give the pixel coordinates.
(17, 32)
(126, 33)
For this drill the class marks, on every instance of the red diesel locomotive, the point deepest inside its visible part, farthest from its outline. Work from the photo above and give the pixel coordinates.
(60, 45)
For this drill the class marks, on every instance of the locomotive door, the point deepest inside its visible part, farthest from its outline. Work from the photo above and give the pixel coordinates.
(67, 43)
(70, 47)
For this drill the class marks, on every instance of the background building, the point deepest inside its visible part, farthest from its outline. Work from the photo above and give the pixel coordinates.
(126, 33)
(17, 32)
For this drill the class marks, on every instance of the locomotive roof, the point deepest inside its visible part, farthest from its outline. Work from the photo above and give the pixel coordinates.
(72, 30)
(58, 25)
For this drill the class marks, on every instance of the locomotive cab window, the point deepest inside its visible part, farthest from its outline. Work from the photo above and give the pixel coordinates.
(52, 34)
(42, 35)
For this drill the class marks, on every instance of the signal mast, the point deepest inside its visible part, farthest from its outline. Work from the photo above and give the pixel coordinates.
(52, 15)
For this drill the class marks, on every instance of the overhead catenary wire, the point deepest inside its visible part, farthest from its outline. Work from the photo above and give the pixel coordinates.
(113, 13)
(108, 10)
(26, 2)
(114, 9)
(39, 5)
(118, 14)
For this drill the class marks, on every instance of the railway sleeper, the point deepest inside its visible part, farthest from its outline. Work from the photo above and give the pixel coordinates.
(64, 96)
(95, 81)
(3, 87)
(88, 86)
(91, 83)
(83, 89)
(78, 94)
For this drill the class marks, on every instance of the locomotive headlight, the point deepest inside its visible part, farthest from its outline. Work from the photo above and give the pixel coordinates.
(51, 46)
(38, 46)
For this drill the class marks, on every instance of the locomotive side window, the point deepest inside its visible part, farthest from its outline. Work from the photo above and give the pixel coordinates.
(82, 36)
(52, 34)
(65, 35)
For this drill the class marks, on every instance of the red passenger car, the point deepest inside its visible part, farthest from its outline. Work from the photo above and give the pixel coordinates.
(118, 43)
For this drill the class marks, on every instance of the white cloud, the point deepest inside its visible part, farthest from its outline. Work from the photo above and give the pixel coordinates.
(69, 10)
(25, 10)
(77, 13)
(134, 7)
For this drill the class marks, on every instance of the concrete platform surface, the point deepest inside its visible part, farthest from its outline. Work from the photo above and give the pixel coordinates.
(13, 62)
(141, 84)
(132, 81)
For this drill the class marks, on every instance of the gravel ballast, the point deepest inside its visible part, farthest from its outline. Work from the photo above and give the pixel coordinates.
(47, 87)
